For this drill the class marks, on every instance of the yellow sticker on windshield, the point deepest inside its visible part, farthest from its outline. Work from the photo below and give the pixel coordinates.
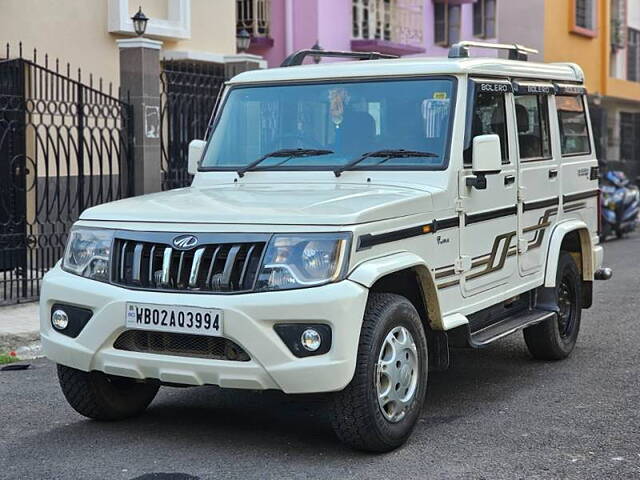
(440, 95)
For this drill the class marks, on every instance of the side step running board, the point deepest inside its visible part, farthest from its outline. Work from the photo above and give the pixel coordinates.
(509, 325)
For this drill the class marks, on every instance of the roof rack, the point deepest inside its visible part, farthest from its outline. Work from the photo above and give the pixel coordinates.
(516, 52)
(296, 58)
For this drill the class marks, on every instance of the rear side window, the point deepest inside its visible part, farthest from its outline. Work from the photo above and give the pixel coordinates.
(532, 116)
(488, 117)
(572, 119)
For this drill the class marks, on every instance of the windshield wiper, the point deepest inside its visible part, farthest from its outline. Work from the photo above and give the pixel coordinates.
(285, 152)
(386, 154)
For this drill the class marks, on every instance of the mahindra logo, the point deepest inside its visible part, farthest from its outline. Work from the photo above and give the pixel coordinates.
(185, 242)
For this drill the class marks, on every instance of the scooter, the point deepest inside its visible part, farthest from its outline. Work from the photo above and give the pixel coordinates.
(620, 205)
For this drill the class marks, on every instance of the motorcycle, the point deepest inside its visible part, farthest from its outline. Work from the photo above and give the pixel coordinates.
(620, 205)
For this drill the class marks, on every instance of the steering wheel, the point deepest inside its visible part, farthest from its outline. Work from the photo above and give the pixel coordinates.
(294, 140)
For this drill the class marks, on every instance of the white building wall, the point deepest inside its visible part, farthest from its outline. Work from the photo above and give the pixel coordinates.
(633, 14)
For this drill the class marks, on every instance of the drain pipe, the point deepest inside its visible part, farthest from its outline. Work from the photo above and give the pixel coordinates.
(288, 14)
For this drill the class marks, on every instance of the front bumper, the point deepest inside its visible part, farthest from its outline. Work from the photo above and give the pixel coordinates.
(248, 321)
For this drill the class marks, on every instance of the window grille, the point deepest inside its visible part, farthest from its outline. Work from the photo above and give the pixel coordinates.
(399, 21)
(585, 14)
(254, 16)
(633, 53)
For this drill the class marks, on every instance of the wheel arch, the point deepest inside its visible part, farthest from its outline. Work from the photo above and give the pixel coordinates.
(573, 237)
(406, 274)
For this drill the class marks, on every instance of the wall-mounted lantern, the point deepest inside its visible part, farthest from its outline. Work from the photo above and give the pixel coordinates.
(140, 22)
(243, 40)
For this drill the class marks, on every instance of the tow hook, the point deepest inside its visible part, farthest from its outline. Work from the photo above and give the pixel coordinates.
(603, 273)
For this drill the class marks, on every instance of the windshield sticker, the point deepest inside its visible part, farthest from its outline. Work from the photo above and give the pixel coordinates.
(434, 115)
(439, 95)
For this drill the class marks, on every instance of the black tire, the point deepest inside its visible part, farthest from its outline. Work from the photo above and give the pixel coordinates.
(555, 339)
(105, 397)
(357, 417)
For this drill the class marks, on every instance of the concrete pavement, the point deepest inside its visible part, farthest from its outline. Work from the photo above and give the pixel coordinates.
(19, 326)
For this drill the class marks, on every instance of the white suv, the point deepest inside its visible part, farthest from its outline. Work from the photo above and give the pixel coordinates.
(347, 224)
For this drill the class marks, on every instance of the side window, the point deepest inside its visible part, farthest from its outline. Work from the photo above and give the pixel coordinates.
(572, 119)
(484, 19)
(488, 117)
(446, 20)
(532, 116)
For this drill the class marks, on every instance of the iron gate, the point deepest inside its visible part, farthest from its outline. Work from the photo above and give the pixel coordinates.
(188, 94)
(64, 146)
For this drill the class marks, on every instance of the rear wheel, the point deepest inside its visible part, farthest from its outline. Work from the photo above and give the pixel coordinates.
(105, 397)
(379, 408)
(555, 338)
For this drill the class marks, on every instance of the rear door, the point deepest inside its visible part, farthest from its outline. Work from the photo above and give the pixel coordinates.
(579, 165)
(539, 163)
(489, 232)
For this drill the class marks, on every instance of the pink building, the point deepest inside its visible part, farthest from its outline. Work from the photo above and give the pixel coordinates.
(401, 27)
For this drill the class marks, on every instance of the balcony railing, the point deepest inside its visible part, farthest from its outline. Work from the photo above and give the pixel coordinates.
(254, 16)
(397, 21)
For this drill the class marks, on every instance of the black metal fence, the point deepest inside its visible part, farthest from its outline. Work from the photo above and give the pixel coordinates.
(188, 94)
(65, 146)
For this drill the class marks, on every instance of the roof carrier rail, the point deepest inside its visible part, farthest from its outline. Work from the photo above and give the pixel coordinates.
(516, 52)
(296, 58)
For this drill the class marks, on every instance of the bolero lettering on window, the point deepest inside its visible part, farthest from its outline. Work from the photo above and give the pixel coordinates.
(493, 87)
(533, 89)
(570, 89)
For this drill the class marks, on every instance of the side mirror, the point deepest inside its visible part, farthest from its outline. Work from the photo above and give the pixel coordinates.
(486, 159)
(196, 147)
(487, 154)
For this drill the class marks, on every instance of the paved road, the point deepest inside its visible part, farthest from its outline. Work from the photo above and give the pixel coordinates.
(495, 414)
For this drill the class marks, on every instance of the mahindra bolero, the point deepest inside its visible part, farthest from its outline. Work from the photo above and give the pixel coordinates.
(347, 224)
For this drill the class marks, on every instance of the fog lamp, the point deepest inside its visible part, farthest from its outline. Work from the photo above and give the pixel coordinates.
(59, 319)
(311, 339)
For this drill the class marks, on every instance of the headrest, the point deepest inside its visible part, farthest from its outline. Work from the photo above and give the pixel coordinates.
(497, 119)
(522, 117)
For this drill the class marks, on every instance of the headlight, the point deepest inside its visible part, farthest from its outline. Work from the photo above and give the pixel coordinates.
(297, 261)
(88, 252)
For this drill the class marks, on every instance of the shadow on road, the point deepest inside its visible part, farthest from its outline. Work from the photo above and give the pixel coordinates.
(209, 418)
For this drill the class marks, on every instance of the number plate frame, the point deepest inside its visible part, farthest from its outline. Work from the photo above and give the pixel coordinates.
(174, 319)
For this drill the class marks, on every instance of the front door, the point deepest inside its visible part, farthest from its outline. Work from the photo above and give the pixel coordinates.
(489, 230)
(539, 172)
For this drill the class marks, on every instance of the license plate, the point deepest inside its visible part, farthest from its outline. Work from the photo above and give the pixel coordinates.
(174, 318)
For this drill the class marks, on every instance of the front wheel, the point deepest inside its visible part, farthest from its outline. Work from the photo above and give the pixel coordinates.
(105, 397)
(554, 339)
(379, 408)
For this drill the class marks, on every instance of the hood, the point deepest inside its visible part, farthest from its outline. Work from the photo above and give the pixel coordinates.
(290, 204)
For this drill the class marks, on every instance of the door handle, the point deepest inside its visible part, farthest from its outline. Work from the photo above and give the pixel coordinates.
(553, 173)
(509, 180)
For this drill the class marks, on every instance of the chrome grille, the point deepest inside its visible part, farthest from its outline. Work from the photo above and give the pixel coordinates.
(211, 267)
(180, 344)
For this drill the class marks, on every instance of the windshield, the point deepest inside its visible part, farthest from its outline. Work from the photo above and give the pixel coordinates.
(348, 119)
